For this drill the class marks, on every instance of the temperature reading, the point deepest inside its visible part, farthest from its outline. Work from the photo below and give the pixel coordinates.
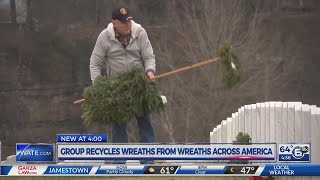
(166, 170)
(241, 169)
(161, 169)
(247, 170)
(294, 153)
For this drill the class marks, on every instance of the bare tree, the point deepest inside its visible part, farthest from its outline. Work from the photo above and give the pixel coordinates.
(13, 12)
(98, 12)
(29, 20)
(196, 30)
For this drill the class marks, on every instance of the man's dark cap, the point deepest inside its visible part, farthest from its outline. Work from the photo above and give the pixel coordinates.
(121, 13)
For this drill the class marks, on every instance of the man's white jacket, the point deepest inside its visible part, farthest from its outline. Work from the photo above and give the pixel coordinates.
(110, 53)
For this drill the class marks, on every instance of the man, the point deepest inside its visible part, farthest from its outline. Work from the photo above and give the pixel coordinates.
(120, 47)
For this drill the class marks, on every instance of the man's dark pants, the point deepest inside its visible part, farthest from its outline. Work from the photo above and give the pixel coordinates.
(120, 135)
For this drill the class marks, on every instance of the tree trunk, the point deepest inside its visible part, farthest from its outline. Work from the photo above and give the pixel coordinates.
(13, 12)
(29, 21)
(98, 12)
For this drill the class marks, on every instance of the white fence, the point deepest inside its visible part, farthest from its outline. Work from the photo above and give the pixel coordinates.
(279, 122)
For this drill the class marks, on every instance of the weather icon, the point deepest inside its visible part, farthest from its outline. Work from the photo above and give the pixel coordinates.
(151, 170)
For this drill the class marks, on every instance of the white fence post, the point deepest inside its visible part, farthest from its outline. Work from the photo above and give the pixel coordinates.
(262, 112)
(315, 135)
(233, 126)
(224, 131)
(242, 122)
(285, 122)
(214, 136)
(267, 127)
(278, 122)
(272, 122)
(247, 119)
(298, 123)
(291, 114)
(219, 133)
(306, 124)
(229, 130)
(258, 117)
(237, 126)
(254, 123)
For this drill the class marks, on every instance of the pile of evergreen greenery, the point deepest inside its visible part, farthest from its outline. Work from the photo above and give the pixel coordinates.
(242, 138)
(231, 65)
(117, 99)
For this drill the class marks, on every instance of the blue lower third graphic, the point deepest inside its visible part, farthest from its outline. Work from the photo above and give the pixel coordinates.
(68, 170)
(35, 152)
(5, 170)
(291, 170)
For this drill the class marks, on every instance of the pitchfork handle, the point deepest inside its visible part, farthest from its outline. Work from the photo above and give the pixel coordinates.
(174, 72)
(186, 68)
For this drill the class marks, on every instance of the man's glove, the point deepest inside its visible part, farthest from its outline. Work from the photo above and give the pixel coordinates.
(164, 99)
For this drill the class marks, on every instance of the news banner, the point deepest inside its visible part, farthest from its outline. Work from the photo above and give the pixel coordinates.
(92, 155)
